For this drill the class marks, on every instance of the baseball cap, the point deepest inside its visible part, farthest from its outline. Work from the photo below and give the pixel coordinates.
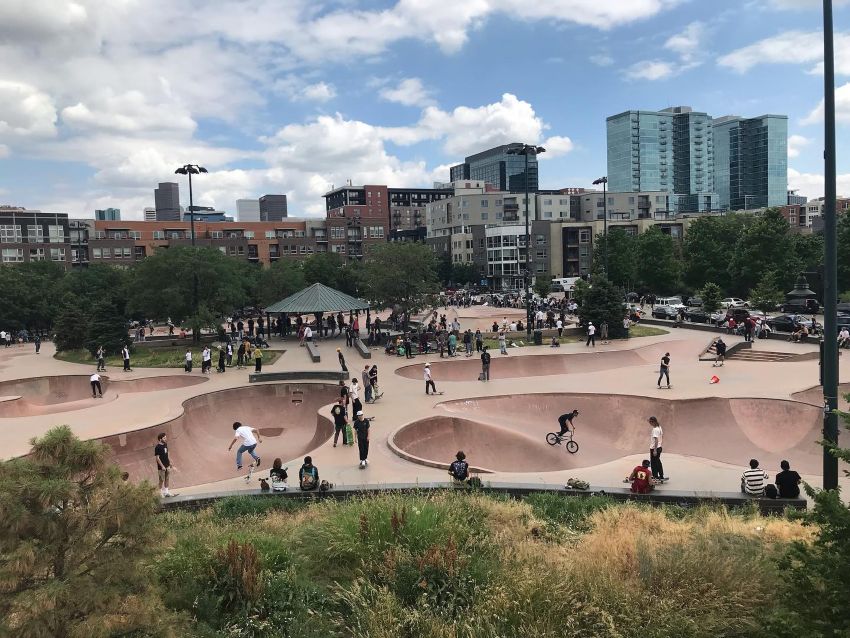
(359, 413)
(427, 365)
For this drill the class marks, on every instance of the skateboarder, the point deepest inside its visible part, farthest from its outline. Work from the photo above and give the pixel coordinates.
(95, 386)
(340, 420)
(250, 438)
(591, 335)
(163, 464)
(664, 372)
(429, 381)
(361, 427)
(719, 352)
(656, 438)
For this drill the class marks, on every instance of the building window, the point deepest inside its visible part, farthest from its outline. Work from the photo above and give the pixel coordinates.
(217, 234)
(159, 234)
(376, 232)
(485, 203)
(57, 254)
(248, 234)
(540, 239)
(128, 252)
(107, 253)
(223, 249)
(135, 234)
(35, 234)
(140, 252)
(300, 233)
(547, 202)
(584, 237)
(13, 254)
(57, 235)
(631, 200)
(337, 232)
(485, 216)
(96, 253)
(10, 234)
(269, 234)
(37, 254)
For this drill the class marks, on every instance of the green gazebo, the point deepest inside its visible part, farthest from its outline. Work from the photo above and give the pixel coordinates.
(316, 299)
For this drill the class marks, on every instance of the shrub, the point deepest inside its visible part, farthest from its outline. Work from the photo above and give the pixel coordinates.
(240, 506)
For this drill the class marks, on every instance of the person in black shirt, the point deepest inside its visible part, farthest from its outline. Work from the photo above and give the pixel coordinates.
(459, 469)
(343, 392)
(278, 476)
(566, 420)
(361, 426)
(665, 369)
(163, 463)
(485, 365)
(788, 481)
(340, 419)
(308, 475)
(720, 352)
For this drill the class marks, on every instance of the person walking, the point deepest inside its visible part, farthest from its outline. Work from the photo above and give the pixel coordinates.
(719, 353)
(187, 366)
(163, 464)
(258, 359)
(249, 438)
(503, 347)
(125, 354)
(361, 427)
(341, 360)
(603, 332)
(340, 417)
(221, 360)
(429, 381)
(37, 341)
(343, 392)
(101, 359)
(479, 340)
(467, 342)
(354, 391)
(229, 354)
(664, 371)
(559, 324)
(206, 360)
(367, 386)
(485, 365)
(656, 440)
(96, 389)
(591, 335)
(240, 356)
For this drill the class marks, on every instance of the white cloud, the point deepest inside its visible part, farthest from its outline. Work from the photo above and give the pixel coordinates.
(25, 110)
(842, 107)
(795, 142)
(802, 5)
(688, 43)
(651, 70)
(556, 146)
(790, 47)
(319, 92)
(410, 92)
(128, 113)
(601, 59)
(812, 184)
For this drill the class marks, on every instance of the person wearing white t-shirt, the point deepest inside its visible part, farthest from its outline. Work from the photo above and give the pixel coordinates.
(591, 335)
(206, 360)
(354, 393)
(429, 382)
(188, 365)
(844, 338)
(656, 440)
(96, 390)
(250, 437)
(308, 333)
(560, 326)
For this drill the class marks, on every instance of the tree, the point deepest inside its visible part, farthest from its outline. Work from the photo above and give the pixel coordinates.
(279, 280)
(108, 328)
(711, 296)
(766, 295)
(466, 273)
(27, 294)
(96, 283)
(165, 285)
(708, 249)
(601, 302)
(75, 544)
(766, 244)
(658, 265)
(542, 287)
(323, 268)
(844, 252)
(580, 288)
(622, 257)
(70, 326)
(399, 274)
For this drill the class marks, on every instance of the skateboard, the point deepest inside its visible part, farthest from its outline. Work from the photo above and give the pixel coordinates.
(665, 387)
(250, 471)
(654, 481)
(434, 393)
(376, 397)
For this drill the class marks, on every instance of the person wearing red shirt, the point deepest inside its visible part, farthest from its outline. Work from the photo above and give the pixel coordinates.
(640, 478)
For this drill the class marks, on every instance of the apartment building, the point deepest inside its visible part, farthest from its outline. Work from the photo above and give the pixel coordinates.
(31, 235)
(499, 253)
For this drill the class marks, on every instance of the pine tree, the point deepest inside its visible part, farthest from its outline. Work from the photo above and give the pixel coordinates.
(70, 327)
(601, 301)
(107, 328)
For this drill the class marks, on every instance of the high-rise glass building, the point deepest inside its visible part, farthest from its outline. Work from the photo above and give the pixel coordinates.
(495, 166)
(751, 161)
(273, 208)
(669, 150)
(108, 215)
(167, 201)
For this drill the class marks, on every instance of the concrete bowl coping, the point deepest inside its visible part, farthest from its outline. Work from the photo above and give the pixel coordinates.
(660, 497)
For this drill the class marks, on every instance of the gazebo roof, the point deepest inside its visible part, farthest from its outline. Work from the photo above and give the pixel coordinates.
(318, 298)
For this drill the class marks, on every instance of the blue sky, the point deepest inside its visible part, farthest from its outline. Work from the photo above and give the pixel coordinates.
(99, 101)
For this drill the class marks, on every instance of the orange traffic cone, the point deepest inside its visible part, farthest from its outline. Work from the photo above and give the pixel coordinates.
(714, 379)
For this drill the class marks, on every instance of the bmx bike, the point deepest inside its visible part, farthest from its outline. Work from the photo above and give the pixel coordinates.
(554, 438)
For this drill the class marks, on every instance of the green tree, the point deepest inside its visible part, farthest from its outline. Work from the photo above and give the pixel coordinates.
(107, 327)
(463, 274)
(711, 296)
(708, 248)
(350, 279)
(323, 268)
(165, 285)
(600, 302)
(765, 245)
(658, 264)
(27, 294)
(399, 274)
(70, 326)
(96, 283)
(622, 257)
(580, 288)
(444, 269)
(542, 287)
(766, 295)
(844, 252)
(279, 280)
(75, 544)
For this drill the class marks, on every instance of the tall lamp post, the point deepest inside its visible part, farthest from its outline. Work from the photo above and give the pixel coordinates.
(830, 259)
(526, 150)
(604, 182)
(191, 169)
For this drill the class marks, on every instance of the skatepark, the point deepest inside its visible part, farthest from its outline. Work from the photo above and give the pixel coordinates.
(770, 410)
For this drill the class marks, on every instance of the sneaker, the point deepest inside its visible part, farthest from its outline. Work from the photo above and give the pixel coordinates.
(366, 462)
(362, 465)
(238, 467)
(257, 462)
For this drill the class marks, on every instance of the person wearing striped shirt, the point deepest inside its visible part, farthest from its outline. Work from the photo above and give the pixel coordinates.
(754, 480)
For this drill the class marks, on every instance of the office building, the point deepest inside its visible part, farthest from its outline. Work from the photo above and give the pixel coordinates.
(499, 254)
(671, 150)
(167, 201)
(205, 213)
(79, 232)
(248, 210)
(31, 235)
(751, 161)
(149, 214)
(495, 166)
(357, 217)
(272, 208)
(795, 199)
(108, 215)
(407, 211)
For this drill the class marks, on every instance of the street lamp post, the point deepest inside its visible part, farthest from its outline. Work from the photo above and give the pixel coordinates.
(830, 261)
(604, 182)
(191, 169)
(526, 150)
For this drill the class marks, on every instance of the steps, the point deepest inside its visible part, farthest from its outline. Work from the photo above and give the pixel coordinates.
(760, 355)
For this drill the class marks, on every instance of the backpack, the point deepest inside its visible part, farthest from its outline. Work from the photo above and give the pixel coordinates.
(770, 491)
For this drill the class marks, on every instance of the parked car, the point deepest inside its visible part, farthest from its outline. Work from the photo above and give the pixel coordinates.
(799, 306)
(743, 313)
(674, 302)
(664, 311)
(695, 302)
(843, 308)
(697, 315)
(734, 302)
(788, 323)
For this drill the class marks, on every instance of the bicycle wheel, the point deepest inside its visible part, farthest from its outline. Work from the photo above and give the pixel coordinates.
(572, 447)
(552, 438)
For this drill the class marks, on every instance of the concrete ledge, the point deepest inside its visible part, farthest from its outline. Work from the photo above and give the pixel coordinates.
(313, 351)
(311, 375)
(362, 348)
(660, 497)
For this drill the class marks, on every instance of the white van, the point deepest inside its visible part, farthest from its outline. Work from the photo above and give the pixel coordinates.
(565, 285)
(673, 302)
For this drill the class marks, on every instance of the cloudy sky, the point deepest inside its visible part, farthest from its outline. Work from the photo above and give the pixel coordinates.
(102, 99)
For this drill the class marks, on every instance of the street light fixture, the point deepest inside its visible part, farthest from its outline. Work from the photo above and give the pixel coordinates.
(191, 169)
(604, 182)
(526, 150)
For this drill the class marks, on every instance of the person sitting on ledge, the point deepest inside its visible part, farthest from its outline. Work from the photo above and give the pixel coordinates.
(799, 334)
(788, 481)
(459, 469)
(555, 343)
(278, 476)
(308, 475)
(754, 479)
(641, 478)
